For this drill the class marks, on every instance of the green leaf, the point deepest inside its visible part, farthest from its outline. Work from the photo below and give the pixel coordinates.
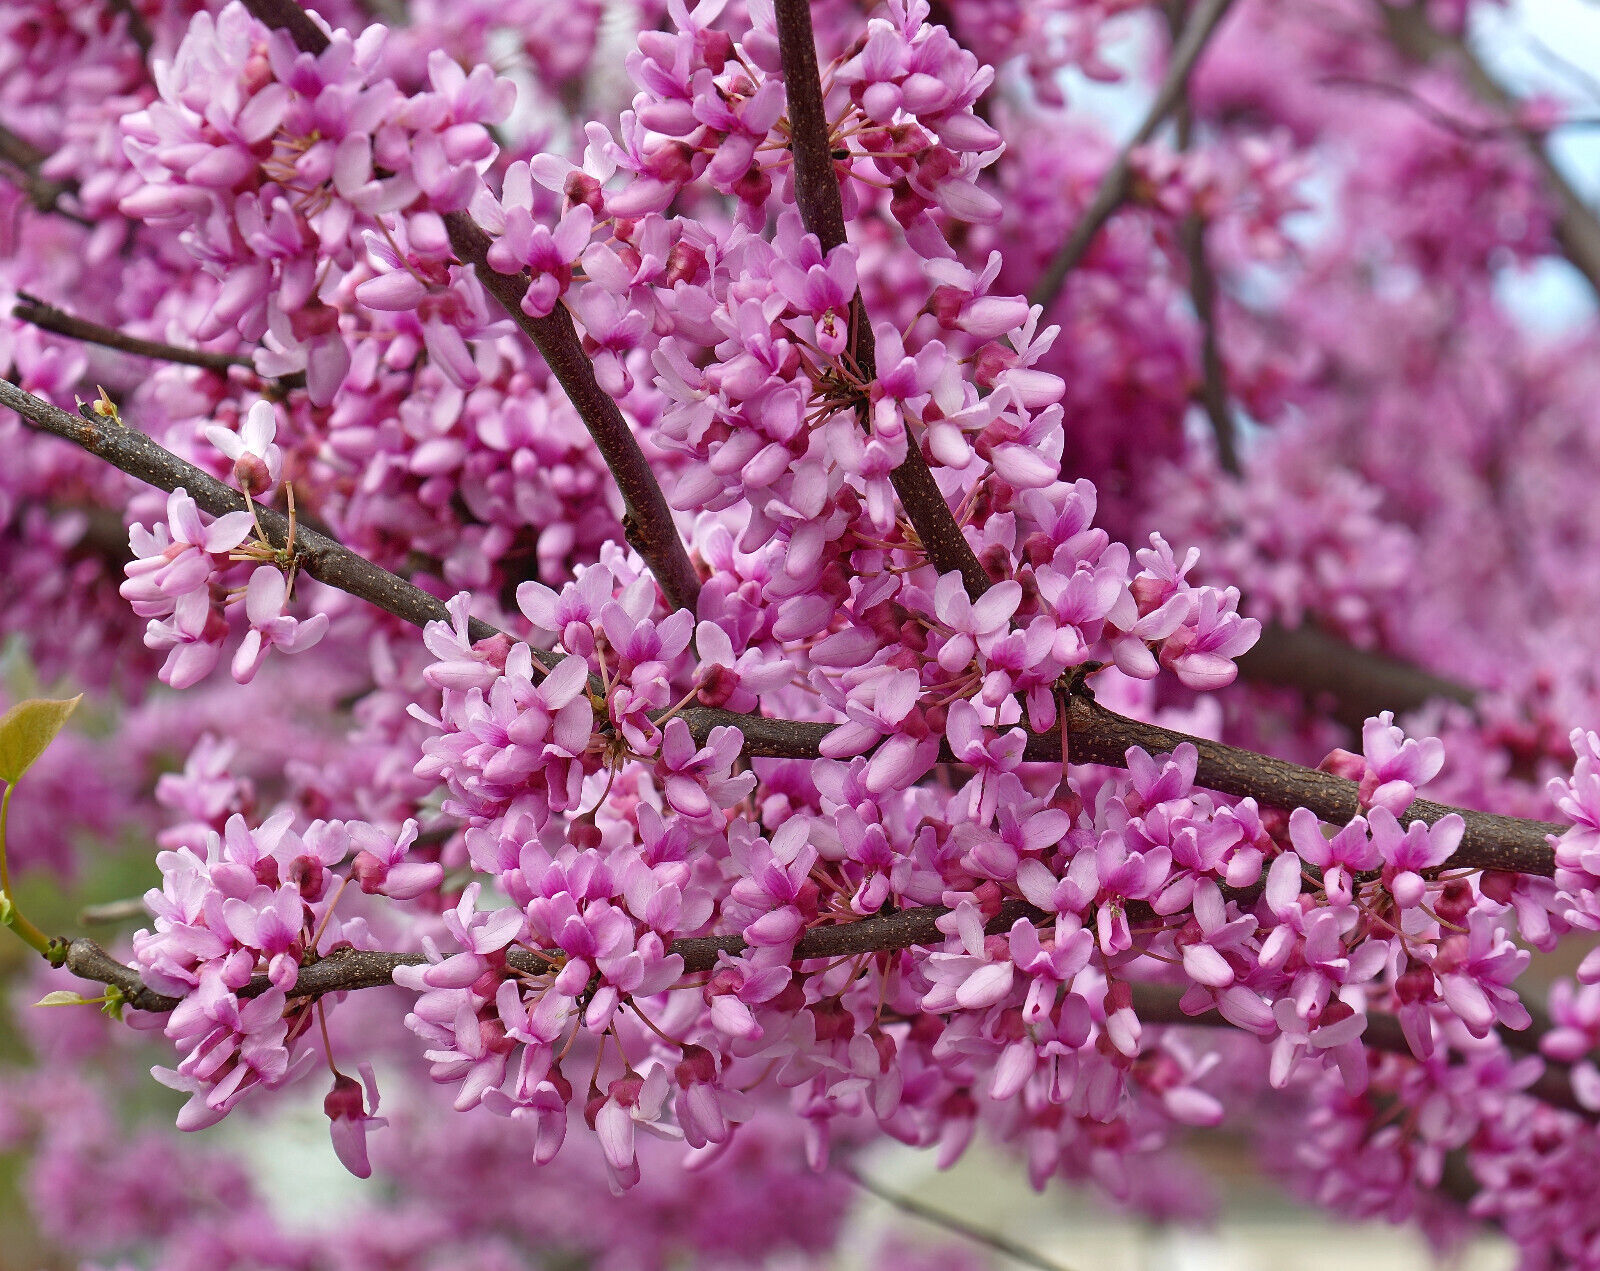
(26, 729)
(66, 997)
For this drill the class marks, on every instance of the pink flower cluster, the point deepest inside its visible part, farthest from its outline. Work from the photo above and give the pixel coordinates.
(179, 582)
(258, 904)
(278, 165)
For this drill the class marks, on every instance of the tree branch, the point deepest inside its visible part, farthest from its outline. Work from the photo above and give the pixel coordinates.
(316, 554)
(1417, 39)
(24, 158)
(349, 970)
(287, 16)
(1102, 736)
(47, 317)
(1213, 376)
(1360, 681)
(138, 28)
(648, 520)
(1114, 186)
(950, 1222)
(816, 188)
(1096, 735)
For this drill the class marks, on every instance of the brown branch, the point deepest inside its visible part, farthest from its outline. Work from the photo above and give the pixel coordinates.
(1213, 393)
(816, 188)
(316, 554)
(1115, 186)
(289, 17)
(1360, 681)
(1213, 376)
(648, 520)
(349, 970)
(1002, 1245)
(1102, 736)
(1096, 735)
(47, 317)
(1417, 39)
(23, 158)
(138, 28)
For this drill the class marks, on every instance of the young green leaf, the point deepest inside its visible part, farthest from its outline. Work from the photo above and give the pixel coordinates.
(26, 729)
(66, 997)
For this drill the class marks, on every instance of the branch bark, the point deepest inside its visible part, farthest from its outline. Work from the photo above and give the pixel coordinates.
(816, 188)
(47, 317)
(648, 520)
(23, 158)
(138, 28)
(318, 555)
(1096, 735)
(1115, 185)
(1417, 39)
(349, 970)
(1360, 681)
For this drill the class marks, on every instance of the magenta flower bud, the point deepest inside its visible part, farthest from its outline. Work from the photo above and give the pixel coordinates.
(308, 875)
(368, 871)
(1342, 763)
(345, 1099)
(1498, 885)
(1416, 984)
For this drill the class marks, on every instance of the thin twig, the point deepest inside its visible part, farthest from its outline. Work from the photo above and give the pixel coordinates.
(47, 317)
(349, 970)
(816, 187)
(138, 28)
(1213, 375)
(112, 911)
(1360, 682)
(316, 554)
(958, 1226)
(22, 158)
(1203, 294)
(1442, 119)
(648, 520)
(1095, 734)
(1115, 185)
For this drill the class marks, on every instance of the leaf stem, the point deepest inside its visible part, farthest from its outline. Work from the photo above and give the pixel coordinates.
(12, 916)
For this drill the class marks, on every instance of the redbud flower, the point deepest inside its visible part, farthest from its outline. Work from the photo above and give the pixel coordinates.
(257, 463)
(350, 1119)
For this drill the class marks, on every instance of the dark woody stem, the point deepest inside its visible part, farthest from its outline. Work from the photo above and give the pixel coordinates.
(1095, 735)
(19, 164)
(647, 521)
(47, 317)
(347, 970)
(816, 191)
(1116, 185)
(315, 554)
